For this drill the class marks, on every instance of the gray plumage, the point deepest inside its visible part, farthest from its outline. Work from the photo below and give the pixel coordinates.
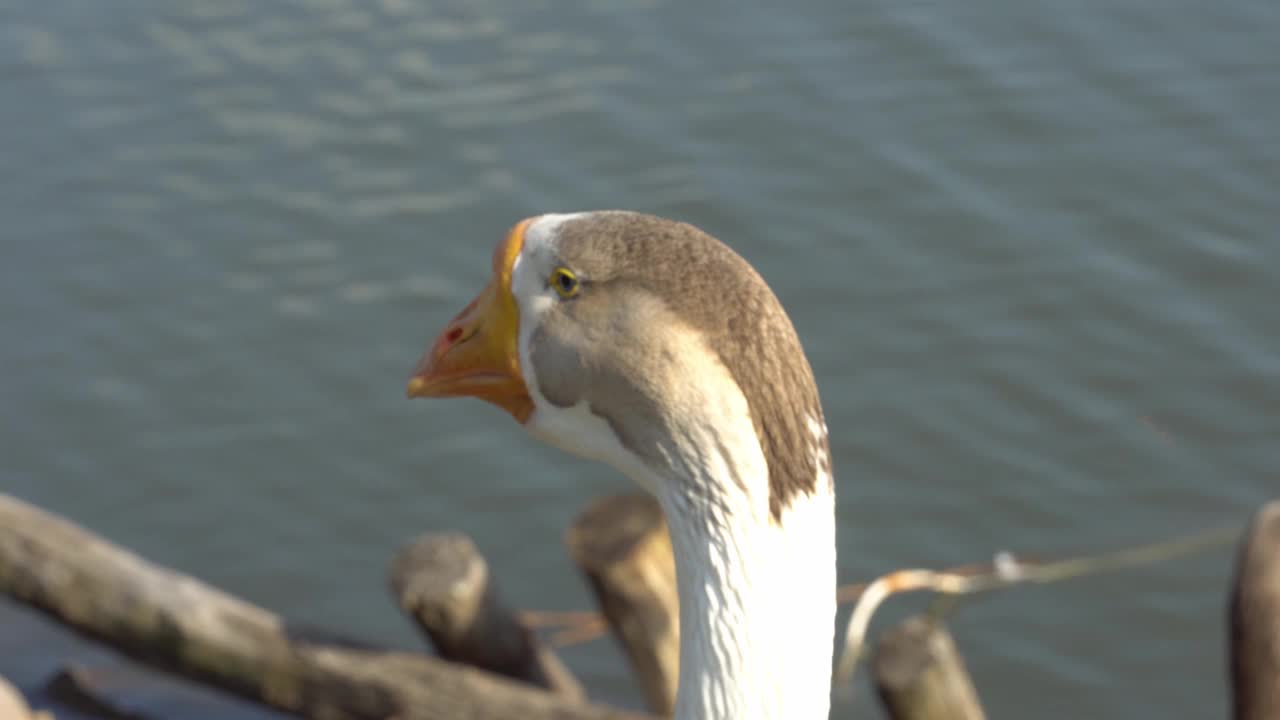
(645, 280)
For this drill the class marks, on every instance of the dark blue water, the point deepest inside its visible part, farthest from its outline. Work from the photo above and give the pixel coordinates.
(1033, 250)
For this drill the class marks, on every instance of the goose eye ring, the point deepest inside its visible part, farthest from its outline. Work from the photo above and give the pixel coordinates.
(566, 284)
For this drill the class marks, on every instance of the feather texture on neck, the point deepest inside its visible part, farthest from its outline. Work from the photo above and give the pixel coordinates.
(757, 596)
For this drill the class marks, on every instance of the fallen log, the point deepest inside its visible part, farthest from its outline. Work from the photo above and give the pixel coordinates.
(442, 581)
(621, 545)
(920, 676)
(1255, 620)
(178, 624)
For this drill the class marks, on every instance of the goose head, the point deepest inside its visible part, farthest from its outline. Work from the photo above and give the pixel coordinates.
(649, 345)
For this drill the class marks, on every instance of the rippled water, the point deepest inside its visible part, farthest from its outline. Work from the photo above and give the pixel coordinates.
(1033, 250)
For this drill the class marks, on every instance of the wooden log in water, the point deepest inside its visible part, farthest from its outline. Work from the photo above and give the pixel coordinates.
(442, 581)
(178, 624)
(1255, 620)
(920, 675)
(621, 544)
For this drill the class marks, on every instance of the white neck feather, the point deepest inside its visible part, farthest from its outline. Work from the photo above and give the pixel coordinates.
(757, 595)
(757, 607)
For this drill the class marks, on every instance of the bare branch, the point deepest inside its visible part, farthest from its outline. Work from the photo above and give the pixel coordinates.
(1005, 572)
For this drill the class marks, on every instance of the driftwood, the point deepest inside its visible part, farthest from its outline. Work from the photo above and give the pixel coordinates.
(621, 544)
(1255, 620)
(178, 624)
(442, 581)
(920, 676)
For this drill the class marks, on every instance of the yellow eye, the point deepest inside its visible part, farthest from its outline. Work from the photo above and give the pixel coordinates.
(565, 282)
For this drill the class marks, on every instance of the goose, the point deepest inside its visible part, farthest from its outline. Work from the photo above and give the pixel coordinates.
(650, 345)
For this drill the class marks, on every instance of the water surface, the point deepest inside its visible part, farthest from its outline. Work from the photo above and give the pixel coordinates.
(1032, 248)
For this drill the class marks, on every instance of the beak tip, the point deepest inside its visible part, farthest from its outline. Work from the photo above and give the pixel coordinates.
(417, 386)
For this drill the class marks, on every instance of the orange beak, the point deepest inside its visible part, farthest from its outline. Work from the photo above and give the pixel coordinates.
(477, 354)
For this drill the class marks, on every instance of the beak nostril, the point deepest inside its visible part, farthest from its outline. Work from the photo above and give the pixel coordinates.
(453, 335)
